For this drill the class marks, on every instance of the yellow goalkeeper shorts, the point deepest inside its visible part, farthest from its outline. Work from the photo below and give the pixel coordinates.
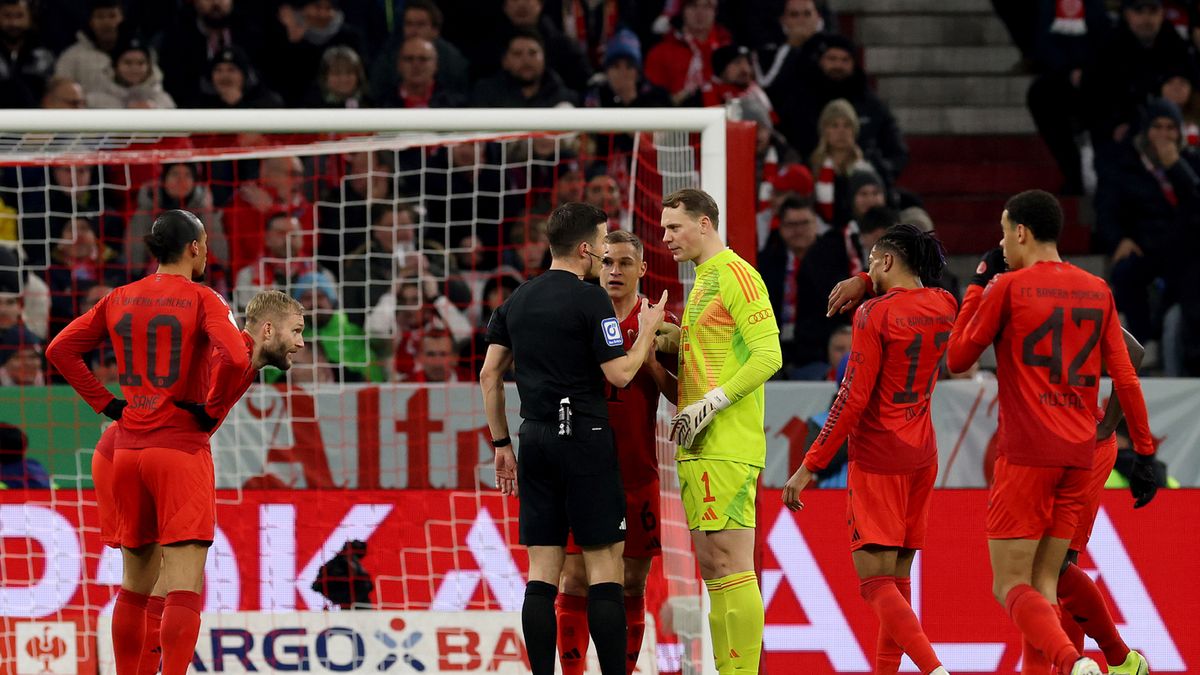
(718, 494)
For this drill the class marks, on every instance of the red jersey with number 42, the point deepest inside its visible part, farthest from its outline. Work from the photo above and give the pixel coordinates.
(633, 413)
(883, 404)
(1052, 324)
(164, 330)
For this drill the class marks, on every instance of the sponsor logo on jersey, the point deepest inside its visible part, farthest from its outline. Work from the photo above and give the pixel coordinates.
(760, 315)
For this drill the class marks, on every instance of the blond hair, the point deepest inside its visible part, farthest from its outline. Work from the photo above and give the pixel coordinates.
(271, 305)
(837, 109)
(624, 237)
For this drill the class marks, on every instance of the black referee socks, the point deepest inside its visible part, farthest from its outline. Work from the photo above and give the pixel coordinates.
(606, 623)
(541, 626)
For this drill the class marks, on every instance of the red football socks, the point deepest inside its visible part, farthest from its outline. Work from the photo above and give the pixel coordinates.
(1072, 628)
(572, 633)
(1038, 622)
(635, 627)
(897, 618)
(180, 628)
(888, 654)
(128, 630)
(1033, 662)
(1081, 599)
(151, 649)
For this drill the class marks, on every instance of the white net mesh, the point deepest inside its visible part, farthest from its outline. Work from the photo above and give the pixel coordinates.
(399, 245)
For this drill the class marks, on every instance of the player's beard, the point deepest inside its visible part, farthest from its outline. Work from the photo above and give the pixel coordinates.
(277, 355)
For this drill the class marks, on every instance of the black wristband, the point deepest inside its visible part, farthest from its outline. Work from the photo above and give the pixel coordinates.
(501, 442)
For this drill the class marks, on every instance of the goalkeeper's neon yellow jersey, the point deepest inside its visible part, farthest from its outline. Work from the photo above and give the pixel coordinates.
(727, 317)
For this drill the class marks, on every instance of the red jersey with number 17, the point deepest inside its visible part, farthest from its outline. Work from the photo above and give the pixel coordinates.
(164, 330)
(633, 413)
(883, 404)
(1051, 323)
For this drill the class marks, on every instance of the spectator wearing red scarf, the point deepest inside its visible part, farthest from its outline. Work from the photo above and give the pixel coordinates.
(682, 62)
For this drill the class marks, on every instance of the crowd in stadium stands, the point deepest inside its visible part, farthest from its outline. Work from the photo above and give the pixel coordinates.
(403, 255)
(1118, 99)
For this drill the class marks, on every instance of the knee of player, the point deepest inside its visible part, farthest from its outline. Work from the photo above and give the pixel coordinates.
(635, 583)
(574, 579)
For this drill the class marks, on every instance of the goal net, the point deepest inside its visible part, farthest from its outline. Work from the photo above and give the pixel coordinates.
(400, 232)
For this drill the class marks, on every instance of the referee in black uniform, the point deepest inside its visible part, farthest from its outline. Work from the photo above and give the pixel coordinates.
(565, 340)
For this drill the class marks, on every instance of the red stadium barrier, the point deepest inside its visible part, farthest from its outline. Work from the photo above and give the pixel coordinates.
(444, 550)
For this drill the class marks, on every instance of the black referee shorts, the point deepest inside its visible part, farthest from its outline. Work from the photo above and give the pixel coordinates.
(570, 483)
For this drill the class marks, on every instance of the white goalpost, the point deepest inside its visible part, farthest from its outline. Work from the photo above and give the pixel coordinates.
(355, 430)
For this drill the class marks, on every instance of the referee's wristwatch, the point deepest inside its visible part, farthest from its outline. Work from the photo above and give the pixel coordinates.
(501, 442)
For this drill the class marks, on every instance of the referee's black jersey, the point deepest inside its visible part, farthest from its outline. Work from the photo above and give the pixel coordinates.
(560, 329)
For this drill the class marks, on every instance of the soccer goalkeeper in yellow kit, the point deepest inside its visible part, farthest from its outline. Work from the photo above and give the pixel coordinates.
(728, 347)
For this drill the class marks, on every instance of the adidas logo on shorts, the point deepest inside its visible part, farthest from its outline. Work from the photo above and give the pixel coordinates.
(709, 514)
(621, 527)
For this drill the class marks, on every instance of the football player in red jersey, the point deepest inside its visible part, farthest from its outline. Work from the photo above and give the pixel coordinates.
(274, 327)
(633, 410)
(1046, 318)
(898, 344)
(164, 329)
(1084, 609)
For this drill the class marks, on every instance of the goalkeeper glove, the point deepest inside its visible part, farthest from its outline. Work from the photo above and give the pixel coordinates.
(207, 422)
(690, 421)
(666, 338)
(114, 409)
(991, 264)
(1143, 480)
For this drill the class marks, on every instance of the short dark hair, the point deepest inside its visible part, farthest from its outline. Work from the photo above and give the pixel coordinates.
(570, 224)
(104, 4)
(525, 34)
(695, 203)
(795, 203)
(625, 237)
(921, 251)
(435, 14)
(1039, 211)
(171, 234)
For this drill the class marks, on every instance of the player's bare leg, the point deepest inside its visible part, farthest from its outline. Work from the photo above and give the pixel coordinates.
(183, 579)
(139, 571)
(1025, 580)
(726, 559)
(878, 568)
(1083, 604)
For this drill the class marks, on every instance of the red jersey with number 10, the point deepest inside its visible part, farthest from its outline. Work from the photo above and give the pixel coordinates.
(1051, 324)
(883, 403)
(164, 330)
(633, 413)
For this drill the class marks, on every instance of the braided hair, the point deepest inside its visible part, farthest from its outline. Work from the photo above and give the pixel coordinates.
(921, 251)
(171, 233)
